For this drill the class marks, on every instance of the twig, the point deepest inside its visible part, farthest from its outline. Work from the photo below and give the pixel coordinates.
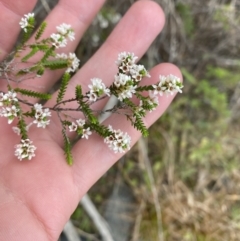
(88, 236)
(46, 6)
(136, 229)
(97, 219)
(144, 158)
(70, 231)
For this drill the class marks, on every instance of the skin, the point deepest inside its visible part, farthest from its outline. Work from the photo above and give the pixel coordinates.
(37, 197)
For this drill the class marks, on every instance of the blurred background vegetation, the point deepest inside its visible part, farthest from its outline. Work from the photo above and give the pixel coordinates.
(182, 183)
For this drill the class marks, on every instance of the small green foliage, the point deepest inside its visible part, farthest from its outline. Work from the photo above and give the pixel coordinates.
(55, 64)
(34, 50)
(29, 113)
(21, 123)
(78, 92)
(40, 30)
(42, 47)
(22, 72)
(40, 71)
(102, 130)
(139, 125)
(22, 126)
(63, 87)
(34, 94)
(26, 36)
(66, 123)
(88, 112)
(67, 147)
(48, 53)
(132, 102)
(144, 88)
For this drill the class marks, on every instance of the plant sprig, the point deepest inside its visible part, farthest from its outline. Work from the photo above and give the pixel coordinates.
(133, 97)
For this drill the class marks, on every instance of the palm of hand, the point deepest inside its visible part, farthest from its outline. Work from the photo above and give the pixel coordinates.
(38, 196)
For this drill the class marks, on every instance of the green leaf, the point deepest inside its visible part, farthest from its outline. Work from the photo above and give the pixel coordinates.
(21, 123)
(78, 92)
(22, 72)
(28, 56)
(100, 129)
(41, 30)
(49, 52)
(55, 64)
(42, 47)
(139, 125)
(42, 96)
(40, 71)
(29, 28)
(88, 113)
(144, 88)
(63, 87)
(67, 147)
(30, 113)
(23, 128)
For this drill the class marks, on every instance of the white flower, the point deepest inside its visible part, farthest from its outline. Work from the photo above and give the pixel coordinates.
(92, 96)
(63, 28)
(118, 142)
(73, 62)
(80, 122)
(153, 99)
(71, 35)
(38, 107)
(121, 79)
(25, 150)
(138, 72)
(58, 40)
(97, 88)
(25, 21)
(29, 15)
(125, 87)
(8, 98)
(10, 113)
(41, 115)
(17, 130)
(12, 96)
(126, 59)
(72, 127)
(86, 133)
(23, 24)
(66, 31)
(127, 93)
(2, 99)
(169, 84)
(79, 128)
(61, 56)
(152, 102)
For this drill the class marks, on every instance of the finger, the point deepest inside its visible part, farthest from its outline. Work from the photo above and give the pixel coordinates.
(135, 32)
(92, 158)
(10, 14)
(79, 14)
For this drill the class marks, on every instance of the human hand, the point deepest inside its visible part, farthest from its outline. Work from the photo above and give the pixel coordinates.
(37, 197)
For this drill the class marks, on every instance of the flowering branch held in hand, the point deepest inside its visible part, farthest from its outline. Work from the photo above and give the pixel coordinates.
(133, 97)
